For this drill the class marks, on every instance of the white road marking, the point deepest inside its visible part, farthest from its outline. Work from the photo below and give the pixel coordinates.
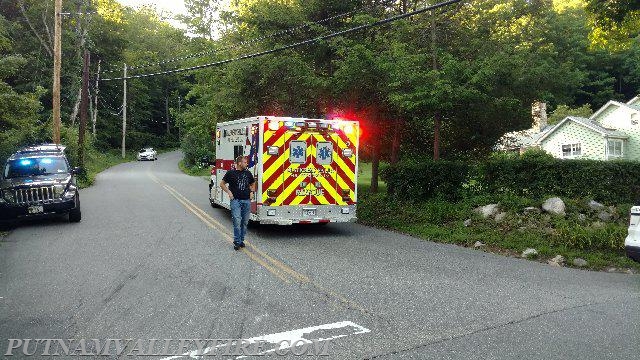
(288, 337)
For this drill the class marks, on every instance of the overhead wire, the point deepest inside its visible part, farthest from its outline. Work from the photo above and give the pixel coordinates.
(238, 45)
(294, 45)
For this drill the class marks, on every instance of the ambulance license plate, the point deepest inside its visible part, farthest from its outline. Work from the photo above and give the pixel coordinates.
(35, 210)
(309, 212)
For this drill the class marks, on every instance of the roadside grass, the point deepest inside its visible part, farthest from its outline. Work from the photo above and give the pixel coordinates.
(602, 245)
(195, 170)
(96, 162)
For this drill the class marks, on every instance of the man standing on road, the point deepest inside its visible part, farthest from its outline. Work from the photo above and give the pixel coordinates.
(239, 183)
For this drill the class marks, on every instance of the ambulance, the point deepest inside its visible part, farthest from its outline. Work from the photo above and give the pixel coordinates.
(306, 169)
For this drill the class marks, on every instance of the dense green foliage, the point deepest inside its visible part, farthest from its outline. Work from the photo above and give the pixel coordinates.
(113, 34)
(532, 176)
(426, 180)
(477, 65)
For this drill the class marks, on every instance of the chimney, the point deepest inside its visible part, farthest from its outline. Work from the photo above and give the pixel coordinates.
(539, 114)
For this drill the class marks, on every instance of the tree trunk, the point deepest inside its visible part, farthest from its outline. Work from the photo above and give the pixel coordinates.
(437, 119)
(94, 118)
(375, 167)
(76, 108)
(84, 106)
(375, 153)
(166, 111)
(46, 46)
(397, 139)
(437, 124)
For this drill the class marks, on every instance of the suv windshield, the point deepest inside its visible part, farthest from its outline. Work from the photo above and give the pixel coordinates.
(35, 166)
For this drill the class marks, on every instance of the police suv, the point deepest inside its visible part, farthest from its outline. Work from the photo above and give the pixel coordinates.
(38, 181)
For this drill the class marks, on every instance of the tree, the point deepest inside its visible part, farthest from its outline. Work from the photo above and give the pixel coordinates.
(562, 111)
(19, 112)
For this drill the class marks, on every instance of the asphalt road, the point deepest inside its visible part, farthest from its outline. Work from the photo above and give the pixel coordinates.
(152, 260)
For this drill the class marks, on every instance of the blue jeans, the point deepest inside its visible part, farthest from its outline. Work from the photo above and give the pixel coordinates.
(240, 211)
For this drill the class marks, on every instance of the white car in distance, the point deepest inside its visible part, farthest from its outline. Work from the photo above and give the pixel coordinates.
(147, 154)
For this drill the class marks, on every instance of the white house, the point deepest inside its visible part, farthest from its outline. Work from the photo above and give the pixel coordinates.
(611, 133)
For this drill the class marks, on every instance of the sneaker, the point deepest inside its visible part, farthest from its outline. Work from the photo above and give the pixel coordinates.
(236, 247)
(242, 245)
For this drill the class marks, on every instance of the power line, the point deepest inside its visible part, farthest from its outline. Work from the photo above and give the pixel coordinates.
(243, 43)
(294, 45)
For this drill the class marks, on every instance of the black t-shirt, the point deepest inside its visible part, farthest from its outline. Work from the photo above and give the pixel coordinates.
(239, 183)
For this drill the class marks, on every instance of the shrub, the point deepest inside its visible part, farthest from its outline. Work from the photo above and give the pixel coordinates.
(416, 181)
(615, 182)
(535, 175)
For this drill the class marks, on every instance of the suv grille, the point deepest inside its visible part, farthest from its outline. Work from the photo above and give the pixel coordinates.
(34, 196)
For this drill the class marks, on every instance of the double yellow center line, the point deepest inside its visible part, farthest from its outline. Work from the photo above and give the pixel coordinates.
(277, 268)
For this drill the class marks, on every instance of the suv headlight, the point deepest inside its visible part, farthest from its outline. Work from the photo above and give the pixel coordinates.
(70, 193)
(9, 196)
(58, 190)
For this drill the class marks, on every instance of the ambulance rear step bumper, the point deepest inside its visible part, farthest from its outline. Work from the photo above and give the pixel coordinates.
(289, 215)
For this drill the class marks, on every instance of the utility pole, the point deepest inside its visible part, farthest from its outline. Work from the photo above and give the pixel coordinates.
(84, 104)
(124, 115)
(94, 120)
(57, 68)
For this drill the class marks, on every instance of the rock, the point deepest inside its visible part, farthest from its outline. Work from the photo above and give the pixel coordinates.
(557, 261)
(488, 210)
(500, 217)
(597, 224)
(529, 253)
(478, 244)
(579, 262)
(604, 216)
(555, 206)
(630, 271)
(532, 210)
(595, 206)
(582, 217)
(468, 223)
(611, 270)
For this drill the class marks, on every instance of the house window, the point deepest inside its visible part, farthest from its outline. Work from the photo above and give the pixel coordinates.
(571, 150)
(615, 148)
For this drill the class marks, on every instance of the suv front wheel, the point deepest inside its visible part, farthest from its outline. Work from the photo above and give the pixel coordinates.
(75, 215)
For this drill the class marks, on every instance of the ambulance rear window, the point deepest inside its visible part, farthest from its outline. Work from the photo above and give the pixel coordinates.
(324, 155)
(298, 152)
